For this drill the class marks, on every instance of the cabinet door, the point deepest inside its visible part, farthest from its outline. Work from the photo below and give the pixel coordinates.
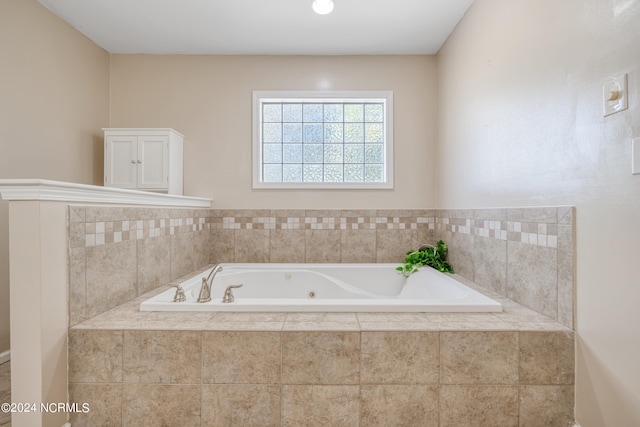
(120, 154)
(153, 162)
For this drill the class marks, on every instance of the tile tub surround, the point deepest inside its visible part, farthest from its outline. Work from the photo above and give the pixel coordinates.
(525, 254)
(313, 236)
(118, 253)
(513, 368)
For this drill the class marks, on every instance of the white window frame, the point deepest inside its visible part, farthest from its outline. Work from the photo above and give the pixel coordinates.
(260, 97)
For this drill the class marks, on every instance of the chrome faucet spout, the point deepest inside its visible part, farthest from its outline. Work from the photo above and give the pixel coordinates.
(205, 290)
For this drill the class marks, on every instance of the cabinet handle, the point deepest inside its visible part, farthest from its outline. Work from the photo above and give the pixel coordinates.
(133, 162)
(139, 161)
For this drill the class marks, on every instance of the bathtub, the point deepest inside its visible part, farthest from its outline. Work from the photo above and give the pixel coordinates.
(327, 288)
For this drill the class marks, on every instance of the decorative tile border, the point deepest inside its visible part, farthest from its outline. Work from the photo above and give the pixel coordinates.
(103, 232)
(96, 226)
(324, 222)
(533, 233)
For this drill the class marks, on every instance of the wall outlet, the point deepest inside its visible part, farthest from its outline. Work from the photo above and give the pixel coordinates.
(615, 95)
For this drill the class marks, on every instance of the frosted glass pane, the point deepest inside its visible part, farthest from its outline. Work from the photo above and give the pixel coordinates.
(312, 173)
(292, 153)
(373, 113)
(292, 173)
(333, 173)
(373, 132)
(333, 132)
(312, 133)
(373, 153)
(353, 132)
(354, 153)
(372, 173)
(313, 141)
(272, 173)
(272, 153)
(313, 153)
(333, 112)
(353, 112)
(292, 132)
(272, 132)
(333, 153)
(292, 113)
(312, 112)
(353, 173)
(271, 112)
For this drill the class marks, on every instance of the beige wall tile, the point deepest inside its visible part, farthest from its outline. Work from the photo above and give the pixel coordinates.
(110, 213)
(241, 357)
(490, 263)
(77, 285)
(399, 405)
(358, 246)
(95, 356)
(222, 246)
(477, 357)
(321, 322)
(77, 235)
(317, 405)
(478, 406)
(189, 251)
(392, 245)
(322, 246)
(461, 253)
(533, 214)
(154, 262)
(170, 357)
(161, 405)
(105, 404)
(202, 249)
(546, 405)
(532, 277)
(252, 245)
(287, 246)
(400, 358)
(320, 357)
(424, 235)
(547, 358)
(111, 276)
(566, 266)
(240, 405)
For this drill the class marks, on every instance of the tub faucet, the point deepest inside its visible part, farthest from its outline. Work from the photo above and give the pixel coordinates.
(205, 290)
(228, 293)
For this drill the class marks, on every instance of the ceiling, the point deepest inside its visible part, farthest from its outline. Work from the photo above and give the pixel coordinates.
(269, 27)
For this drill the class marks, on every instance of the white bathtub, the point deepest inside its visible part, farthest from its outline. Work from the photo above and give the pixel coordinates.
(327, 288)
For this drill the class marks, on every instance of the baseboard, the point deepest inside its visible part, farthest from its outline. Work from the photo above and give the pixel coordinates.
(5, 356)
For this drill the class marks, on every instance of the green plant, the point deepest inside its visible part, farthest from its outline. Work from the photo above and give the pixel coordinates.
(435, 257)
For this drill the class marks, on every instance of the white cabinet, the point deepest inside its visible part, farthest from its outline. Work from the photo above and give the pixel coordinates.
(143, 159)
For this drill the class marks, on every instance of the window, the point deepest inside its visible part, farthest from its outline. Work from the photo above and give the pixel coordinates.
(322, 140)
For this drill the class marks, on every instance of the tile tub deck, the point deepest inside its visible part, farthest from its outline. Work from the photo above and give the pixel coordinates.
(514, 368)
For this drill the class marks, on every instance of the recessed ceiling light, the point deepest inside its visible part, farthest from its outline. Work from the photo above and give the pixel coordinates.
(322, 7)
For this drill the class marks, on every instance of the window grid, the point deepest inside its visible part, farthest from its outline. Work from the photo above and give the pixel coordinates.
(365, 119)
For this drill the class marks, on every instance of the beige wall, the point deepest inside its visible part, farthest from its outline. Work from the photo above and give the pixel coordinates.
(521, 123)
(54, 99)
(208, 99)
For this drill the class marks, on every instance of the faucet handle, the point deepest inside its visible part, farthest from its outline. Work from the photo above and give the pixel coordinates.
(180, 296)
(228, 293)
